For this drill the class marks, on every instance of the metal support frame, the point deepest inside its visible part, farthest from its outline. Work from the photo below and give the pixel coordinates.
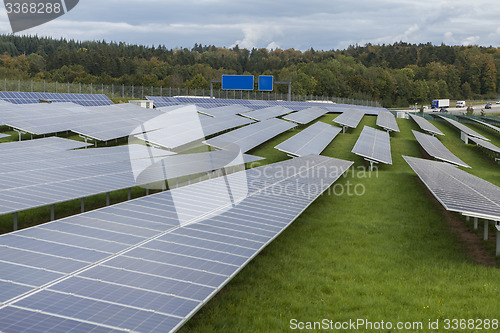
(147, 189)
(476, 220)
(129, 193)
(82, 205)
(107, 199)
(20, 133)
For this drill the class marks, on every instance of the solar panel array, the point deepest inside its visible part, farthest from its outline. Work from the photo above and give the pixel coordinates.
(133, 267)
(374, 145)
(425, 125)
(267, 113)
(102, 123)
(258, 104)
(312, 140)
(436, 149)
(251, 136)
(457, 190)
(306, 116)
(387, 121)
(2, 135)
(464, 128)
(15, 97)
(350, 118)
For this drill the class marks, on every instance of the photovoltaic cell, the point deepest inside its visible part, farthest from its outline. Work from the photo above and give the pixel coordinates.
(374, 145)
(4, 135)
(425, 125)
(312, 140)
(157, 281)
(436, 149)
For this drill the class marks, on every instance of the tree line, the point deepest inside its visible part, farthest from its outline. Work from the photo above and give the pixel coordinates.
(400, 74)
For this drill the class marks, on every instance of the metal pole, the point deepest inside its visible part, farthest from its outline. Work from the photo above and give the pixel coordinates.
(82, 205)
(107, 198)
(486, 224)
(498, 243)
(52, 212)
(129, 194)
(475, 223)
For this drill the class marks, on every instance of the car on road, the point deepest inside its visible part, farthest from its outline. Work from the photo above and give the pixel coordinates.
(443, 110)
(498, 102)
(487, 106)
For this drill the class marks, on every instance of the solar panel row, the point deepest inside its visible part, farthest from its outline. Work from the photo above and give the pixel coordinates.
(306, 116)
(2, 135)
(436, 149)
(425, 125)
(350, 118)
(132, 266)
(312, 140)
(387, 121)
(486, 144)
(178, 127)
(374, 145)
(457, 190)
(463, 128)
(258, 104)
(251, 136)
(267, 113)
(34, 97)
(102, 123)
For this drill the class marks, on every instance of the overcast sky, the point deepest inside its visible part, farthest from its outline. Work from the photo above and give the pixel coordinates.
(320, 24)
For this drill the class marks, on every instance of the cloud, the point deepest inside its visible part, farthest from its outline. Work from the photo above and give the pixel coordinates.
(298, 24)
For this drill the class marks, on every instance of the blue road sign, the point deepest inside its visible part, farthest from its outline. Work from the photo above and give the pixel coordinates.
(237, 82)
(266, 82)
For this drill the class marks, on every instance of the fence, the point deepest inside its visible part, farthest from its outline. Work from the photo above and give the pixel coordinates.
(139, 92)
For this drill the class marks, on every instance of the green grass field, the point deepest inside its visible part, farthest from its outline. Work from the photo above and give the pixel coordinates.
(389, 254)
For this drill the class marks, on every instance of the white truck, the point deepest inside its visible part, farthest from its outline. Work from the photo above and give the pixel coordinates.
(460, 104)
(440, 103)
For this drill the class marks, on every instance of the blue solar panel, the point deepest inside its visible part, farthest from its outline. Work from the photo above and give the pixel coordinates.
(34, 97)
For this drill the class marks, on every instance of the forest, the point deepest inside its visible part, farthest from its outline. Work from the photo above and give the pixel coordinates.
(400, 74)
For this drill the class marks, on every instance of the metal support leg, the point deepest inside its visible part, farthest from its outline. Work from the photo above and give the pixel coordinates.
(52, 212)
(82, 205)
(486, 225)
(129, 194)
(498, 243)
(15, 221)
(147, 189)
(107, 198)
(475, 223)
(467, 218)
